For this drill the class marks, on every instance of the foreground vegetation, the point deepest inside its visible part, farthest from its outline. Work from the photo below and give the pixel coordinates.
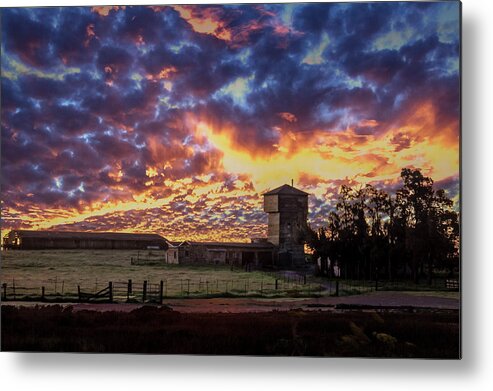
(160, 330)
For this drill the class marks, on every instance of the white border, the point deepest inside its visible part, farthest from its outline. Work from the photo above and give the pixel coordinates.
(475, 372)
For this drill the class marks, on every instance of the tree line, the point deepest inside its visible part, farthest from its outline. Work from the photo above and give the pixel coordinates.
(373, 234)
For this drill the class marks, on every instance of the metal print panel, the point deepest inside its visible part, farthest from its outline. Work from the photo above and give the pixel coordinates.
(241, 179)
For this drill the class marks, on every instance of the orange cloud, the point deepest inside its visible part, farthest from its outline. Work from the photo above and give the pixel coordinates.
(288, 117)
(105, 10)
(210, 21)
(164, 73)
(90, 34)
(204, 20)
(334, 154)
(371, 123)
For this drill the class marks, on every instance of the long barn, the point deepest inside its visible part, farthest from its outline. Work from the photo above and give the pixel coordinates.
(37, 240)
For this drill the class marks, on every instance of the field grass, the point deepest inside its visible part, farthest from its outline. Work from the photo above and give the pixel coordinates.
(61, 271)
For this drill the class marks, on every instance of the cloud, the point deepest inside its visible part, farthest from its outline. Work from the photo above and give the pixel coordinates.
(149, 118)
(205, 20)
(106, 10)
(288, 117)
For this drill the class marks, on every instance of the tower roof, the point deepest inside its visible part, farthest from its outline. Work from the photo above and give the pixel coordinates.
(286, 189)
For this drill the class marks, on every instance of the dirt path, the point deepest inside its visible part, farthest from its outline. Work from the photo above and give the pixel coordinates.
(383, 300)
(375, 299)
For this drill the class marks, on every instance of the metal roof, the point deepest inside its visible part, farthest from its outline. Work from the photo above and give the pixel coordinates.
(88, 235)
(231, 244)
(286, 189)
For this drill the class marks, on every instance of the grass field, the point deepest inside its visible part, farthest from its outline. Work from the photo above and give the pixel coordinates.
(61, 271)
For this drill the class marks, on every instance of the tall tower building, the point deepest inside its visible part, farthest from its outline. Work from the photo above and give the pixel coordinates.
(288, 211)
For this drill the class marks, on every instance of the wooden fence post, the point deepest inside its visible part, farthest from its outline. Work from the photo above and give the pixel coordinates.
(129, 289)
(276, 283)
(4, 286)
(337, 287)
(144, 292)
(161, 286)
(42, 293)
(110, 287)
(78, 291)
(304, 279)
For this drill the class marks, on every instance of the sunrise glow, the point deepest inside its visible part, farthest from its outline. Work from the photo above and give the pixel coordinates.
(175, 119)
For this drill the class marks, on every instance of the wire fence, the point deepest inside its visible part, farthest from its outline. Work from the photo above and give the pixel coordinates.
(157, 291)
(293, 285)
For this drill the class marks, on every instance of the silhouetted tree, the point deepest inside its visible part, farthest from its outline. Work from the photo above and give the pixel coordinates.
(324, 242)
(431, 222)
(371, 231)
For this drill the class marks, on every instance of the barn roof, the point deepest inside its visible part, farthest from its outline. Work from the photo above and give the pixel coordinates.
(286, 189)
(89, 235)
(266, 245)
(173, 243)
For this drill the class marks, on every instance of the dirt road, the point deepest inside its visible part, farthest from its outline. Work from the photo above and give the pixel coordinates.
(381, 300)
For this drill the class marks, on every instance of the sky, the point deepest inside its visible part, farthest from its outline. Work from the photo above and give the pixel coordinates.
(175, 119)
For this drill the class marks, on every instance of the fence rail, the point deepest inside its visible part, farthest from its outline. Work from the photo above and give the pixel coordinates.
(104, 294)
(146, 291)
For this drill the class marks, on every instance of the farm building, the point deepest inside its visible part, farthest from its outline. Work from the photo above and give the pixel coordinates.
(36, 240)
(284, 247)
(172, 252)
(258, 253)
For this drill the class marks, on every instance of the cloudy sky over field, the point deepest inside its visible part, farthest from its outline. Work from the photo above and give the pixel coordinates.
(175, 119)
